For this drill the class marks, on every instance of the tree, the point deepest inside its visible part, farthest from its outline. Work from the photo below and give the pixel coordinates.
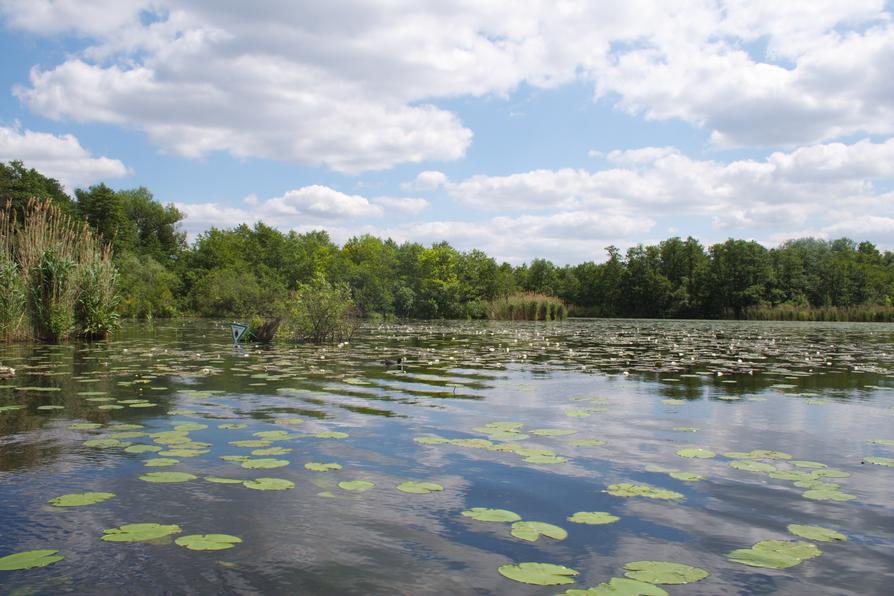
(18, 184)
(323, 312)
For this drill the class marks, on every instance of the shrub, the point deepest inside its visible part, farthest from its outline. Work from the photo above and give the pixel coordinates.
(323, 312)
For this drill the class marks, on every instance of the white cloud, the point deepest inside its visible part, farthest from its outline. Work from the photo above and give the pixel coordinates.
(410, 205)
(58, 156)
(320, 202)
(351, 86)
(427, 180)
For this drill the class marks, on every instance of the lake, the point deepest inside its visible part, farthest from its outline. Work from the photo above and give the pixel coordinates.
(330, 472)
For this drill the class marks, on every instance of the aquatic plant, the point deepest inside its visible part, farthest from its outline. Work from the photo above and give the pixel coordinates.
(527, 306)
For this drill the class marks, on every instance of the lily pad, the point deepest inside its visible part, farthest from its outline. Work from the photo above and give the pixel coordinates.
(105, 443)
(139, 532)
(539, 574)
(80, 499)
(587, 442)
(331, 434)
(356, 485)
(696, 453)
(752, 466)
(272, 451)
(641, 490)
(273, 435)
(167, 477)
(160, 462)
(419, 488)
(10, 409)
(431, 440)
(51, 407)
(593, 518)
(880, 461)
(254, 443)
(531, 531)
(322, 467)
(264, 464)
(29, 559)
(491, 515)
(219, 480)
(231, 425)
(190, 426)
(546, 459)
(552, 432)
(775, 554)
(207, 541)
(687, 476)
(269, 484)
(664, 572)
(619, 586)
(885, 442)
(84, 426)
(183, 452)
(816, 533)
(827, 494)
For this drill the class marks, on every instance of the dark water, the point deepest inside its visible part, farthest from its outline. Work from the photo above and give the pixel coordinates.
(817, 392)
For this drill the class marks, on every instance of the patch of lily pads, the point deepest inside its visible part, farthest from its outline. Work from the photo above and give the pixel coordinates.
(419, 488)
(664, 572)
(619, 586)
(167, 477)
(816, 533)
(207, 541)
(139, 532)
(81, 499)
(593, 518)
(539, 574)
(491, 515)
(775, 554)
(269, 484)
(30, 559)
(531, 531)
(627, 489)
(322, 467)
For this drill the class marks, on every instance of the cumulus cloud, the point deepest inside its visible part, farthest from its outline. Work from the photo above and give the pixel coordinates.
(408, 205)
(353, 86)
(58, 156)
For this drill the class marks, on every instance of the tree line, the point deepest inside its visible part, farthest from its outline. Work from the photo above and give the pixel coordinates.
(255, 269)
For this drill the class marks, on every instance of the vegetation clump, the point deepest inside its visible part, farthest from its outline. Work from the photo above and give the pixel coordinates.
(527, 306)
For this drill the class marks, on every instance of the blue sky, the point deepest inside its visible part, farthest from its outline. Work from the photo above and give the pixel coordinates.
(526, 129)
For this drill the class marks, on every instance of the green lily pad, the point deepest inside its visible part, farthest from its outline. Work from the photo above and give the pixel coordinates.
(269, 484)
(816, 533)
(752, 466)
(808, 464)
(687, 476)
(531, 531)
(239, 458)
(190, 426)
(593, 518)
(160, 462)
(29, 559)
(322, 467)
(255, 443)
(775, 554)
(356, 485)
(10, 409)
(167, 477)
(880, 461)
(272, 451)
(207, 541)
(546, 459)
(419, 488)
(331, 434)
(431, 440)
(80, 499)
(128, 434)
(84, 426)
(539, 574)
(552, 432)
(491, 515)
(273, 435)
(664, 572)
(830, 473)
(696, 453)
(110, 407)
(685, 429)
(51, 407)
(641, 490)
(619, 586)
(794, 475)
(219, 480)
(183, 452)
(288, 421)
(264, 464)
(885, 442)
(139, 532)
(105, 443)
(827, 494)
(231, 425)
(587, 442)
(473, 443)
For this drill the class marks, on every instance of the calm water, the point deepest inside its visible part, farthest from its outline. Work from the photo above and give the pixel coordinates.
(821, 393)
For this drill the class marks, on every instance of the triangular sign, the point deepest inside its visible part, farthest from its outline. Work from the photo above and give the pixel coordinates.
(238, 331)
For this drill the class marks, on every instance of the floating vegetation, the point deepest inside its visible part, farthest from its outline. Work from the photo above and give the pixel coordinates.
(273, 435)
(539, 574)
(84, 426)
(587, 442)
(207, 541)
(189, 427)
(641, 490)
(11, 408)
(593, 518)
(269, 484)
(160, 462)
(322, 467)
(541, 458)
(752, 466)
(757, 454)
(80, 499)
(552, 432)
(272, 451)
(885, 442)
(30, 559)
(685, 429)
(232, 425)
(167, 477)
(219, 480)
(664, 572)
(696, 453)
(105, 443)
(331, 434)
(419, 488)
(264, 463)
(431, 440)
(358, 486)
(491, 515)
(254, 443)
(880, 461)
(619, 586)
(139, 532)
(775, 554)
(531, 531)
(816, 533)
(832, 493)
(686, 476)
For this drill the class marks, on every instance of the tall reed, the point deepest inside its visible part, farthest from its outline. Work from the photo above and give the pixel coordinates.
(527, 306)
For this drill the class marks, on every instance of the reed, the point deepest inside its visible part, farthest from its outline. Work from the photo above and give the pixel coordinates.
(867, 313)
(527, 306)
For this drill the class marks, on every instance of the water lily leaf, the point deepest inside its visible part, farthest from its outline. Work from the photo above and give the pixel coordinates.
(272, 451)
(167, 477)
(587, 442)
(419, 488)
(687, 476)
(673, 402)
(619, 586)
(776, 554)
(322, 467)
(546, 459)
(816, 533)
(827, 494)
(191, 426)
(331, 434)
(808, 464)
(143, 404)
(235, 457)
(142, 448)
(356, 485)
(288, 421)
(207, 541)
(129, 434)
(492, 515)
(269, 484)
(431, 440)
(696, 453)
(885, 442)
(880, 461)
(51, 407)
(139, 532)
(830, 473)
(84, 426)
(752, 466)
(660, 469)
(29, 559)
(795, 475)
(110, 407)
(252, 443)
(531, 531)
(80, 499)
(231, 425)
(10, 409)
(183, 452)
(593, 518)
(160, 462)
(273, 435)
(664, 572)
(552, 432)
(576, 413)
(641, 490)
(473, 443)
(219, 480)
(539, 574)
(105, 443)
(264, 464)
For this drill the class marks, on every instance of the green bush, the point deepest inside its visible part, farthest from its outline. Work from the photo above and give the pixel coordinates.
(147, 288)
(323, 312)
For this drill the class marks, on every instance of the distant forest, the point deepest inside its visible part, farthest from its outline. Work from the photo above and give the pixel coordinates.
(253, 270)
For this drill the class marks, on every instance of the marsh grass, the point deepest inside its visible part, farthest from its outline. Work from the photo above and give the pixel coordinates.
(858, 314)
(527, 306)
(61, 281)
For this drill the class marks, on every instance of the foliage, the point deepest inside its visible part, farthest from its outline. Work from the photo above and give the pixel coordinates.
(323, 312)
(527, 306)
(148, 288)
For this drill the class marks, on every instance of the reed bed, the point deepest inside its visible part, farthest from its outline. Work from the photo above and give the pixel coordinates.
(527, 306)
(61, 279)
(858, 313)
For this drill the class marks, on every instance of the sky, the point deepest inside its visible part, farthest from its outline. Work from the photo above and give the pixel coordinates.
(527, 129)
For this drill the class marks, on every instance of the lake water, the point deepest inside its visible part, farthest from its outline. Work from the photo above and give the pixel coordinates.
(579, 406)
